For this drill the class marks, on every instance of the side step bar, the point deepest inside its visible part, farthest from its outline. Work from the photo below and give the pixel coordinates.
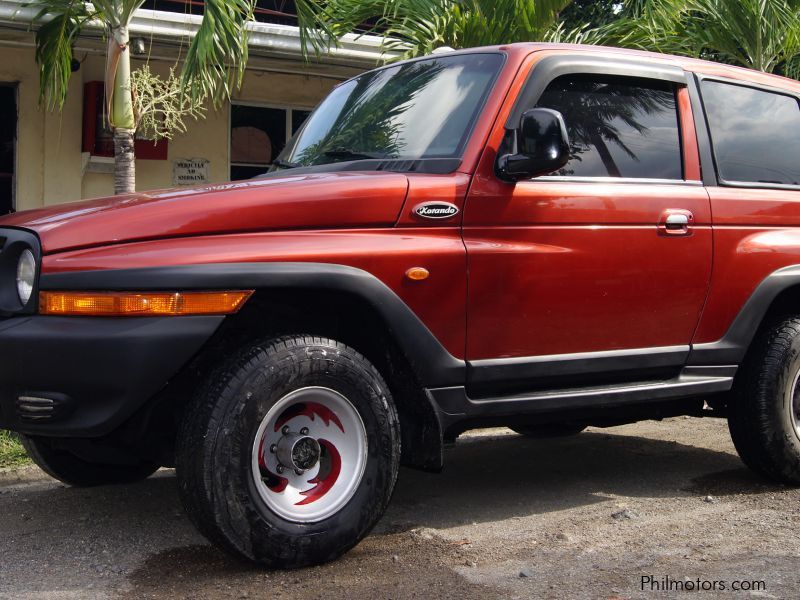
(454, 404)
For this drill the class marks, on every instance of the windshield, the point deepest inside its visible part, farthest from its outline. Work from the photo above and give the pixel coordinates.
(415, 110)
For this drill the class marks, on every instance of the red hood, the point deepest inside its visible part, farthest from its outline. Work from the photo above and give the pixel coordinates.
(314, 201)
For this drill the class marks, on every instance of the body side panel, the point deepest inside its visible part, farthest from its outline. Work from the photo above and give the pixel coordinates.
(580, 262)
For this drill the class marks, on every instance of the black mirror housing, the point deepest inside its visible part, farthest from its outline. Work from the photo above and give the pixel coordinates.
(542, 146)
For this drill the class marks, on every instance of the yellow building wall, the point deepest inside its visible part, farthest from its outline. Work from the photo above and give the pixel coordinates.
(49, 164)
(48, 144)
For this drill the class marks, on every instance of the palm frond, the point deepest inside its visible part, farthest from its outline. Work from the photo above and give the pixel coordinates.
(216, 59)
(316, 29)
(58, 24)
(758, 34)
(417, 27)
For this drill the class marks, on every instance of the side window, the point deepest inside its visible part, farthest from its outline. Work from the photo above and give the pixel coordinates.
(618, 127)
(755, 134)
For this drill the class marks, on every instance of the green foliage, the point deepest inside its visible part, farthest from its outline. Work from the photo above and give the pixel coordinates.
(12, 454)
(757, 34)
(160, 106)
(54, 40)
(214, 64)
(417, 27)
(590, 14)
(221, 40)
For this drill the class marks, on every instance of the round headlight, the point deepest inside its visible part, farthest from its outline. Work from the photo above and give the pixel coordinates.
(26, 273)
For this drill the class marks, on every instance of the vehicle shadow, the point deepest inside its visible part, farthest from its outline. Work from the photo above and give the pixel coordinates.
(499, 477)
(134, 538)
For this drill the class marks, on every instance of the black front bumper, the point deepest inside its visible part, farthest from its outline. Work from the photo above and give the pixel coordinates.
(98, 371)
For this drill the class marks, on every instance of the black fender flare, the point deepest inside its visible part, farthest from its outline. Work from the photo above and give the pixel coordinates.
(732, 347)
(432, 363)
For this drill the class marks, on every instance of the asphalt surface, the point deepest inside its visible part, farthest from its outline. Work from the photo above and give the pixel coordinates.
(584, 517)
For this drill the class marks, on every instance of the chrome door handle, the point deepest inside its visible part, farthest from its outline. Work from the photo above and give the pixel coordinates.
(675, 221)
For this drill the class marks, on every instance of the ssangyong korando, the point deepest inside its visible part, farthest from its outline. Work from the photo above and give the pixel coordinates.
(538, 236)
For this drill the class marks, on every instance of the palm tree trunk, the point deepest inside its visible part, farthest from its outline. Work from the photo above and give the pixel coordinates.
(124, 161)
(119, 100)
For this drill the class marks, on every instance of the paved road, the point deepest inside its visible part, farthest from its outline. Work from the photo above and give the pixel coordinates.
(585, 517)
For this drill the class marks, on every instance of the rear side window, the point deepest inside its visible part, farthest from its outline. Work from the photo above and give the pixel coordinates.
(618, 127)
(755, 134)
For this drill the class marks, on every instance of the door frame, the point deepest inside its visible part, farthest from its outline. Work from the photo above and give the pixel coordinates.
(14, 85)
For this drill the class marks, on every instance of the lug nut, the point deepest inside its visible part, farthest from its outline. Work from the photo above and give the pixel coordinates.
(280, 469)
(273, 449)
(285, 429)
(298, 471)
(304, 431)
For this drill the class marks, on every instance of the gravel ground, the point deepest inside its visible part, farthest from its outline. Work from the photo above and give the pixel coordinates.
(584, 517)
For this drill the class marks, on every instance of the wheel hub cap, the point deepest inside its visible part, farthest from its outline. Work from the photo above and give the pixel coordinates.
(309, 454)
(297, 451)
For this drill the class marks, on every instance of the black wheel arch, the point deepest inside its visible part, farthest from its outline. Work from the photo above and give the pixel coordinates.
(342, 302)
(776, 295)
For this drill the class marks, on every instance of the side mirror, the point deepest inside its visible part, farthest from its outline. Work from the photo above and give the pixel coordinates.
(541, 146)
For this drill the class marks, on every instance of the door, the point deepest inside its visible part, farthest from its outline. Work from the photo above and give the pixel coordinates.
(602, 268)
(8, 145)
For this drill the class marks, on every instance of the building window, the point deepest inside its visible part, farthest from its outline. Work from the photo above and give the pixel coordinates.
(258, 135)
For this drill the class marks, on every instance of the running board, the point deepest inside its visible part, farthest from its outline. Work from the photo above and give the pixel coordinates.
(454, 404)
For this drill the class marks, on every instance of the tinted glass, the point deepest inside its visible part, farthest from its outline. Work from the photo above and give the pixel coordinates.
(419, 109)
(618, 127)
(756, 134)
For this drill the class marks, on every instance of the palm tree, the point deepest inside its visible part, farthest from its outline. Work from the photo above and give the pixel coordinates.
(417, 27)
(213, 67)
(757, 34)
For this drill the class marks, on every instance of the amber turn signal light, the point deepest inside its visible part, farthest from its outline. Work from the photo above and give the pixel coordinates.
(417, 273)
(141, 304)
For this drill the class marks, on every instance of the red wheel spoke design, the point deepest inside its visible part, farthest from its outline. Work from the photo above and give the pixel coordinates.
(310, 410)
(323, 484)
(309, 495)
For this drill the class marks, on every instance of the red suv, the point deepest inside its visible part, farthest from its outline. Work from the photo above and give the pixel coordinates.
(539, 236)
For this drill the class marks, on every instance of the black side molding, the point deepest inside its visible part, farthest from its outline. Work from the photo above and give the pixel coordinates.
(434, 365)
(455, 406)
(731, 349)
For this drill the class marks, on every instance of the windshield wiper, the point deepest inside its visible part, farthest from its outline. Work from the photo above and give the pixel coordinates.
(284, 164)
(352, 154)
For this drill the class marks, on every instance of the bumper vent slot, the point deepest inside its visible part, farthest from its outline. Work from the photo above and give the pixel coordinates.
(42, 408)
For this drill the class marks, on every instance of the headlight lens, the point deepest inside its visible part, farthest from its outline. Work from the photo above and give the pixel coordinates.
(26, 273)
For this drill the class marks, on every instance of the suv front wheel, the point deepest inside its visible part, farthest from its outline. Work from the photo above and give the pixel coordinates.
(764, 411)
(291, 454)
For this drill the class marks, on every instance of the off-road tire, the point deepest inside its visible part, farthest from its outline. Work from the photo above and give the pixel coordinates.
(549, 430)
(214, 451)
(70, 469)
(759, 412)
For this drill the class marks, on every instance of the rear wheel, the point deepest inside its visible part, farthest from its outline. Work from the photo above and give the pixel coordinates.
(69, 468)
(764, 411)
(291, 456)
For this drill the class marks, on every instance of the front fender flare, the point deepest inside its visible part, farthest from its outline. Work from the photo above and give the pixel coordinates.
(432, 363)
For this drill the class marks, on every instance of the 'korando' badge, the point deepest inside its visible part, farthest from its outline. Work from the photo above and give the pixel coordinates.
(436, 210)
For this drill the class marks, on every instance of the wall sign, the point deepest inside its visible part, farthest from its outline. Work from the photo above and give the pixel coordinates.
(190, 171)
